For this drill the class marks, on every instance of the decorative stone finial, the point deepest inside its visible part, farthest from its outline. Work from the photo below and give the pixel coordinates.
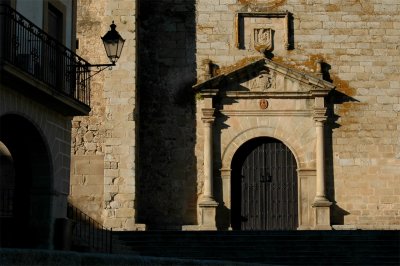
(319, 70)
(211, 69)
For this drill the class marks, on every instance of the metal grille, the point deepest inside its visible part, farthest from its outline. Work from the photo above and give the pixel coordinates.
(268, 186)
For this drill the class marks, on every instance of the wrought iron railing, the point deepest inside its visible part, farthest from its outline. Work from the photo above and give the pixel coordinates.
(6, 202)
(32, 50)
(89, 233)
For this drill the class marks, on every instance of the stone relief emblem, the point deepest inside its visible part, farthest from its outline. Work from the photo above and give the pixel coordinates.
(263, 40)
(263, 82)
(263, 104)
(263, 31)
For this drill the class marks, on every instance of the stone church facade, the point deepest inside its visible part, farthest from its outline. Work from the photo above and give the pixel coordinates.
(243, 115)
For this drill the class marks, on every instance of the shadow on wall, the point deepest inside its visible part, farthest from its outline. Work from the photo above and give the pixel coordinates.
(167, 185)
(334, 98)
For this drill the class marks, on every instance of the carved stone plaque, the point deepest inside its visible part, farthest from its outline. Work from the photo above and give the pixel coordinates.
(263, 40)
(263, 31)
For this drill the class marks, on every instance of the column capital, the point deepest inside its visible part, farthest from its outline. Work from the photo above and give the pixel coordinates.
(208, 115)
(225, 173)
(320, 115)
(208, 112)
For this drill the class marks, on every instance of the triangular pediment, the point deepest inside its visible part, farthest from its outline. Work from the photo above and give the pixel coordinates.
(266, 77)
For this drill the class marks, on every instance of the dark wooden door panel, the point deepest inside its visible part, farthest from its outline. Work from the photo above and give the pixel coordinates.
(265, 180)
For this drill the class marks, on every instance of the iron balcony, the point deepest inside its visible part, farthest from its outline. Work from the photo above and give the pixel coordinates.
(42, 68)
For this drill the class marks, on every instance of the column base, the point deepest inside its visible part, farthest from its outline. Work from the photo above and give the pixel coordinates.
(322, 215)
(190, 227)
(302, 228)
(208, 213)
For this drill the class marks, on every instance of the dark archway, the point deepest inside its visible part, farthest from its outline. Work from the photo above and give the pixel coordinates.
(26, 186)
(264, 186)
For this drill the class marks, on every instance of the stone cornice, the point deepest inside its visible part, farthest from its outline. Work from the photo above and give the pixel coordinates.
(319, 85)
(316, 87)
(304, 113)
(209, 93)
(258, 94)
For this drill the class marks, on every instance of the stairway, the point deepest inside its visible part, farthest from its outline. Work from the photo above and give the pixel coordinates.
(269, 247)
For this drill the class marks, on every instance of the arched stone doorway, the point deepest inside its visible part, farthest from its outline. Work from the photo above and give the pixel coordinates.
(25, 187)
(264, 186)
(259, 99)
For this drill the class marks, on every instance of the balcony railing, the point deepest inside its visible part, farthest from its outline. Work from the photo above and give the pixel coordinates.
(33, 51)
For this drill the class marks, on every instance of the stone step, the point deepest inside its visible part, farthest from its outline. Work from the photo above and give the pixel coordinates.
(305, 259)
(328, 250)
(256, 238)
(255, 234)
(272, 247)
(302, 248)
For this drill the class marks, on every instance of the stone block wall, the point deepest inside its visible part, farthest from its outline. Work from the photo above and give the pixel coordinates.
(167, 181)
(158, 182)
(358, 43)
(87, 184)
(107, 137)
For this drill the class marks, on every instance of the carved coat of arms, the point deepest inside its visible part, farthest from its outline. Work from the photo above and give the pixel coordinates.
(263, 40)
(263, 82)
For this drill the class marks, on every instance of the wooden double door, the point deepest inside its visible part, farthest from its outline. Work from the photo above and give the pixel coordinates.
(264, 186)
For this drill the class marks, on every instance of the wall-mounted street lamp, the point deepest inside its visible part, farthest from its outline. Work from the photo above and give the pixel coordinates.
(113, 43)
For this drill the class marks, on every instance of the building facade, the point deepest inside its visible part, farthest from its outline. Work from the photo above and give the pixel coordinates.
(243, 115)
(41, 87)
(103, 163)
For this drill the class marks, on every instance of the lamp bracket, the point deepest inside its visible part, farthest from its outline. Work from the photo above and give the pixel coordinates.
(100, 67)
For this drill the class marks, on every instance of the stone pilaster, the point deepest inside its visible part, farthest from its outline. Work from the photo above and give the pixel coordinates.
(321, 203)
(207, 203)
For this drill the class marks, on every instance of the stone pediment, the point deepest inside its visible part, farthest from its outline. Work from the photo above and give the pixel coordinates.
(266, 78)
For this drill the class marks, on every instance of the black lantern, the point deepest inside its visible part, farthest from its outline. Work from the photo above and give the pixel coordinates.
(113, 43)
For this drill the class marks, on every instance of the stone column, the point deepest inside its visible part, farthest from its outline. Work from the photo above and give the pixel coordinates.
(320, 156)
(321, 203)
(207, 203)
